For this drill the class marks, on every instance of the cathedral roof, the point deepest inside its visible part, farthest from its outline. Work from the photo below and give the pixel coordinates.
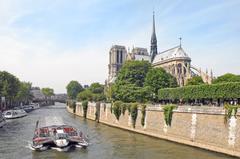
(139, 51)
(171, 54)
(142, 58)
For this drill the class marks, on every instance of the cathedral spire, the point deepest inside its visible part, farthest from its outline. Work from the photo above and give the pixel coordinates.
(153, 24)
(153, 51)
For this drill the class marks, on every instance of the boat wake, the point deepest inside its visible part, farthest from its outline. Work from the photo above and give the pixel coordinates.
(53, 120)
(66, 149)
(29, 146)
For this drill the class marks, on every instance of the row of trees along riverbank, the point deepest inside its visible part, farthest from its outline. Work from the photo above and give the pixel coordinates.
(14, 92)
(138, 81)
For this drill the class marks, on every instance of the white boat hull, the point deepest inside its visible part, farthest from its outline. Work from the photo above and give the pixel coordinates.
(12, 114)
(61, 142)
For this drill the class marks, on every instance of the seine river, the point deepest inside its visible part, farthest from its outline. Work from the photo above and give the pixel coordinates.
(106, 142)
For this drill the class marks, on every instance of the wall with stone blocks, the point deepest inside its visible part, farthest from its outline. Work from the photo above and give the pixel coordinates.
(204, 130)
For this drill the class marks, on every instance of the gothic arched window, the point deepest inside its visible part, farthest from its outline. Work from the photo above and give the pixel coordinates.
(179, 68)
(117, 56)
(121, 56)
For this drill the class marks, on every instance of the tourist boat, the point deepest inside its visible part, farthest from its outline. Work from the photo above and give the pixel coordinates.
(30, 107)
(63, 137)
(15, 113)
(35, 105)
(2, 120)
(27, 108)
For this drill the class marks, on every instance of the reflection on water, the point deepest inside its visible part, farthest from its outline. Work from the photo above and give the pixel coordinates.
(105, 142)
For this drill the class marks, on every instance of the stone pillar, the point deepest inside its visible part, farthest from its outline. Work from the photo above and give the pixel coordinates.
(193, 127)
(232, 131)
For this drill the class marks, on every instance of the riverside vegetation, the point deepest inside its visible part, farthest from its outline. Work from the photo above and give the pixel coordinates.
(17, 92)
(139, 84)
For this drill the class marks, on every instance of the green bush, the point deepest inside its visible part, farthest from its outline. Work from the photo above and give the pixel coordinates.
(111, 107)
(143, 110)
(134, 113)
(124, 107)
(72, 104)
(168, 112)
(85, 108)
(213, 91)
(85, 95)
(230, 110)
(117, 109)
(97, 113)
(129, 108)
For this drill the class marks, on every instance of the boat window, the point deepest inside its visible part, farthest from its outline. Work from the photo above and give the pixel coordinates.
(8, 113)
(61, 136)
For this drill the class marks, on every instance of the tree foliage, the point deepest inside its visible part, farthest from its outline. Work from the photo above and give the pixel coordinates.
(130, 81)
(73, 88)
(143, 110)
(131, 93)
(9, 85)
(230, 110)
(196, 80)
(85, 95)
(228, 77)
(229, 90)
(137, 81)
(96, 88)
(158, 78)
(24, 94)
(168, 112)
(94, 93)
(133, 72)
(134, 113)
(117, 109)
(47, 91)
(85, 108)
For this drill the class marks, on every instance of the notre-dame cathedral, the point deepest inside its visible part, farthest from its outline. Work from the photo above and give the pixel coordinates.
(174, 60)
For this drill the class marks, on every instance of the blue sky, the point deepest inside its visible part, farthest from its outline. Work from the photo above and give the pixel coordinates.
(52, 42)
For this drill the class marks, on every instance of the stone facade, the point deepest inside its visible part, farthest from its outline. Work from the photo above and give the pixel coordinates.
(117, 56)
(201, 128)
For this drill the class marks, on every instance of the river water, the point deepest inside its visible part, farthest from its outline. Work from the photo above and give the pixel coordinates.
(105, 142)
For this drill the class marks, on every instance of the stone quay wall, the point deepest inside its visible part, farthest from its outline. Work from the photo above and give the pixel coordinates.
(194, 126)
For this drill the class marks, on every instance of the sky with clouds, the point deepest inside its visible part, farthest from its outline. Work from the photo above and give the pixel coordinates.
(52, 42)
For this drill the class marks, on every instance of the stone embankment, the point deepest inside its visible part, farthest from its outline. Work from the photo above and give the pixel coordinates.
(202, 127)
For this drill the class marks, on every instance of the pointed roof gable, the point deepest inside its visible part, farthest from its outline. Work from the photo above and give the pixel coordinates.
(171, 54)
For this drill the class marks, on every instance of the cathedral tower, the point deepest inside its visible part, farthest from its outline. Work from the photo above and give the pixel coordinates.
(117, 57)
(153, 51)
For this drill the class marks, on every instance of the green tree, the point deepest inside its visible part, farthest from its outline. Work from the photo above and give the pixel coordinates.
(133, 72)
(9, 86)
(158, 78)
(131, 93)
(130, 81)
(24, 94)
(85, 95)
(73, 88)
(196, 80)
(96, 88)
(94, 93)
(47, 92)
(228, 77)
